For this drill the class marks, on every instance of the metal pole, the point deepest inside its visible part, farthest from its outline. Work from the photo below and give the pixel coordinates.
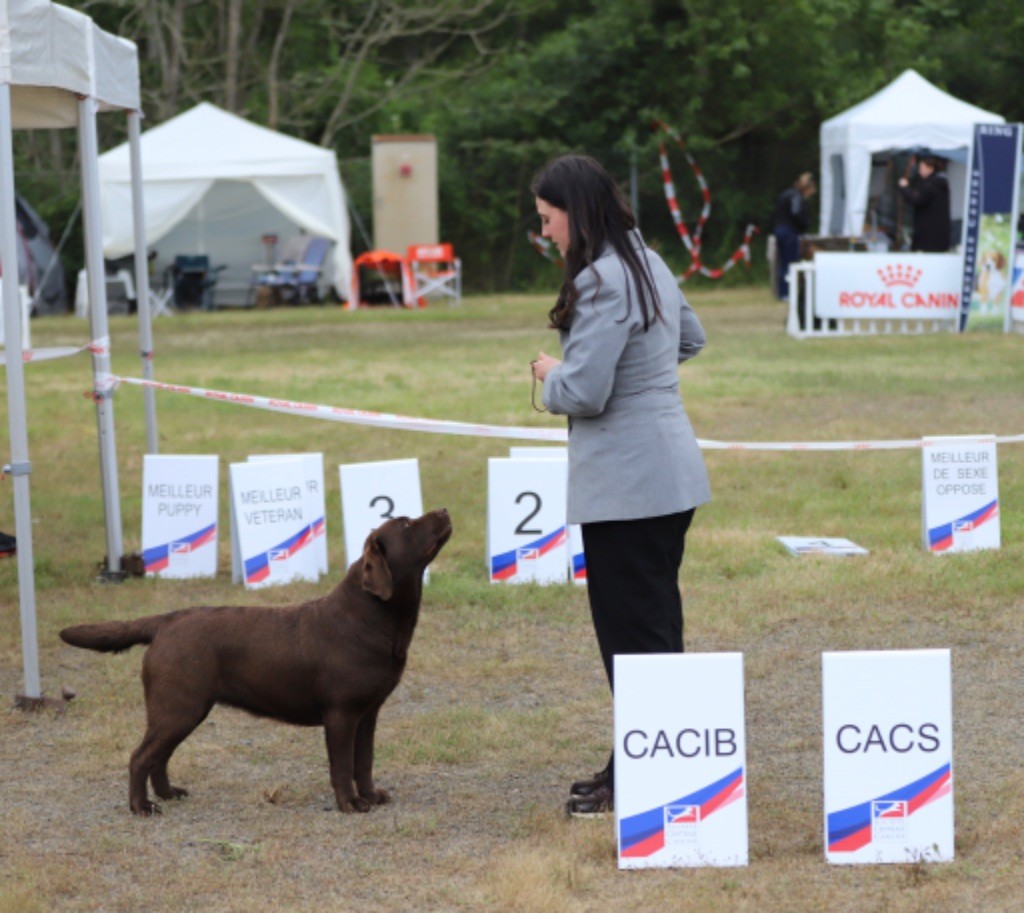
(19, 467)
(88, 148)
(142, 278)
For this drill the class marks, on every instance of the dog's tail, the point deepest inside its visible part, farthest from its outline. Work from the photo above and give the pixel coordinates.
(116, 636)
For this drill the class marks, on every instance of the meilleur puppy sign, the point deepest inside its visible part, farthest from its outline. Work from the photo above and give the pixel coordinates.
(179, 515)
(680, 760)
(272, 531)
(888, 749)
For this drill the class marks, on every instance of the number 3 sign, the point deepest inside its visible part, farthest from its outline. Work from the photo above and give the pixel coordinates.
(527, 540)
(372, 493)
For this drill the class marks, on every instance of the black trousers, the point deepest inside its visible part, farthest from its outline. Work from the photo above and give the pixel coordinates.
(633, 585)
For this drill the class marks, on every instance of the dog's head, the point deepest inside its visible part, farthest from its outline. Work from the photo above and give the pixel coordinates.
(402, 548)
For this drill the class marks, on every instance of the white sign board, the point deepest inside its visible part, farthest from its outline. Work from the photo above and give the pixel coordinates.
(179, 515)
(315, 505)
(810, 545)
(680, 760)
(272, 534)
(887, 286)
(371, 494)
(577, 559)
(527, 540)
(960, 498)
(888, 746)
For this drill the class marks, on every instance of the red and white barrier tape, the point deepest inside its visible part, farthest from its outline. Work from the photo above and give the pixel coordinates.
(350, 416)
(545, 248)
(693, 241)
(108, 382)
(97, 347)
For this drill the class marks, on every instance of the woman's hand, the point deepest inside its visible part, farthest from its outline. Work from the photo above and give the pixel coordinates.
(543, 364)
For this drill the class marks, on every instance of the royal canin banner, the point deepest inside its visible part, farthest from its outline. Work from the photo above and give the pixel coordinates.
(863, 286)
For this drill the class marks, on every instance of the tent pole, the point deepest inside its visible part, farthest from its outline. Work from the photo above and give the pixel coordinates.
(142, 277)
(19, 467)
(103, 393)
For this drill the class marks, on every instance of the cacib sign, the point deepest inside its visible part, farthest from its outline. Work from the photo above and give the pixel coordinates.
(865, 286)
(680, 760)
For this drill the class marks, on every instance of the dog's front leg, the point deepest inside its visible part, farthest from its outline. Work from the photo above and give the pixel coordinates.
(340, 732)
(364, 760)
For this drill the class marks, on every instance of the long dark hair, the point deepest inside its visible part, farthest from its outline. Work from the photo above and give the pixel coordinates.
(598, 215)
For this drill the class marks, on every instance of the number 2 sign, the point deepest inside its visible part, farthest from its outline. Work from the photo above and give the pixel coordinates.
(527, 539)
(372, 494)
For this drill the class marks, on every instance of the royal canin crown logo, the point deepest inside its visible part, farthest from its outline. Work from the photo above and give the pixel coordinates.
(893, 274)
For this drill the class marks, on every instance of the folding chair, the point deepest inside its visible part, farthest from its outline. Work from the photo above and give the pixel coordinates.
(193, 280)
(297, 276)
(436, 272)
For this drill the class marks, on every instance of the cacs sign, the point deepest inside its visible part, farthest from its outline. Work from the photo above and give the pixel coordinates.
(866, 286)
(888, 747)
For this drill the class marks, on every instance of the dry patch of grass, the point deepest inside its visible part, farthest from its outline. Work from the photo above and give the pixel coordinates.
(504, 701)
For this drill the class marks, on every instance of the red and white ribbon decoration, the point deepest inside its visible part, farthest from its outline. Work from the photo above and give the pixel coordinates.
(545, 248)
(692, 241)
(108, 382)
(97, 347)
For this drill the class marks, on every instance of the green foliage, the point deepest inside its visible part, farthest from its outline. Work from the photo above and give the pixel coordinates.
(506, 84)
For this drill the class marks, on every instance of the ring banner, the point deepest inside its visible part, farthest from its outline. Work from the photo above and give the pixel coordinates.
(990, 224)
(96, 347)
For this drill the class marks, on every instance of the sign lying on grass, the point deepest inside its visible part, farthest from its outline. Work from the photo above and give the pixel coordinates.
(804, 545)
(577, 560)
(960, 499)
(888, 745)
(527, 539)
(372, 494)
(272, 532)
(314, 504)
(179, 515)
(680, 760)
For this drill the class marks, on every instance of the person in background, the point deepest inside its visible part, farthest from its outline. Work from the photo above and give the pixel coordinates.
(792, 219)
(636, 474)
(928, 194)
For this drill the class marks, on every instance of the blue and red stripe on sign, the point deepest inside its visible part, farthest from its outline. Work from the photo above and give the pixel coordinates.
(505, 565)
(850, 828)
(157, 558)
(940, 538)
(257, 568)
(579, 567)
(644, 834)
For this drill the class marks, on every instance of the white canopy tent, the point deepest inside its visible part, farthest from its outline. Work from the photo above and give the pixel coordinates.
(58, 69)
(908, 113)
(215, 183)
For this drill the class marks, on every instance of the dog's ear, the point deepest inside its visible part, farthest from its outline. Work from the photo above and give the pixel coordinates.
(376, 573)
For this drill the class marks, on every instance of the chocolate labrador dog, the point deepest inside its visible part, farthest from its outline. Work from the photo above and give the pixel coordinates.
(329, 662)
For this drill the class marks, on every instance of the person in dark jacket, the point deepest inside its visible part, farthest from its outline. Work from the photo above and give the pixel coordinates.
(928, 194)
(791, 220)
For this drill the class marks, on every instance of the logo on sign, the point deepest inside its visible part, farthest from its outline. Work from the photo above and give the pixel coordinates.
(681, 823)
(277, 562)
(894, 274)
(889, 819)
(899, 281)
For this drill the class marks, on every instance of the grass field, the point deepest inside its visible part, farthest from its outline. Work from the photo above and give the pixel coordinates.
(504, 701)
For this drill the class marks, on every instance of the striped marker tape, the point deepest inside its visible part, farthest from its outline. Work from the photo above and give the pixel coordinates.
(96, 347)
(108, 382)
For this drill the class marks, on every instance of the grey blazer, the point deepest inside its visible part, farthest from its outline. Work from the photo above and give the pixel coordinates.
(632, 450)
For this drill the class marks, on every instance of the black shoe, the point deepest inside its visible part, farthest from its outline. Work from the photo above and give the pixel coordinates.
(584, 788)
(599, 803)
(8, 545)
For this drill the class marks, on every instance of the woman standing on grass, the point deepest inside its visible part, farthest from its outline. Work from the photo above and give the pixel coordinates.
(636, 474)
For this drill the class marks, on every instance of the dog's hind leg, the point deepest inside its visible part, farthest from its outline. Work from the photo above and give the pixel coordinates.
(340, 733)
(364, 760)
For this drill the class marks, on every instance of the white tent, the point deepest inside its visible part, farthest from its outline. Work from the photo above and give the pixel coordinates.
(909, 112)
(215, 184)
(58, 69)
